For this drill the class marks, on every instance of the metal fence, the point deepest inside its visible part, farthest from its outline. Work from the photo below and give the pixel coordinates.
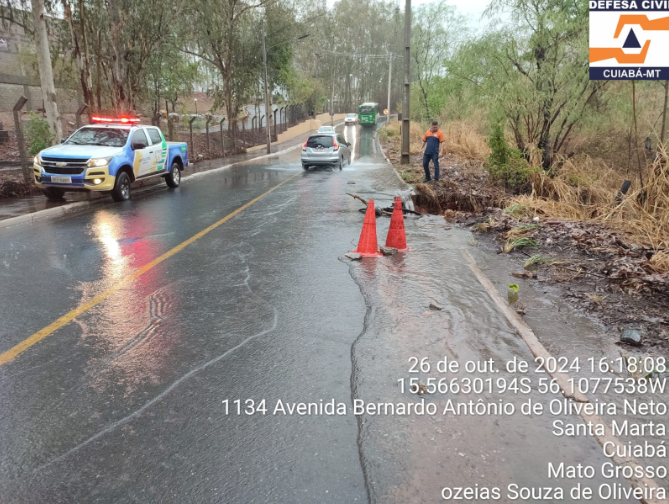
(211, 136)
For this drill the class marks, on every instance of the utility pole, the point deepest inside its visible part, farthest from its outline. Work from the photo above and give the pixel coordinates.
(268, 103)
(390, 76)
(332, 94)
(406, 147)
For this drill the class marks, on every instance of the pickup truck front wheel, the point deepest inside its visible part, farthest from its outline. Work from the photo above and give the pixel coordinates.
(173, 178)
(121, 191)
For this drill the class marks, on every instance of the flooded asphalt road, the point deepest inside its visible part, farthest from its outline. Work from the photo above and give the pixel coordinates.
(124, 402)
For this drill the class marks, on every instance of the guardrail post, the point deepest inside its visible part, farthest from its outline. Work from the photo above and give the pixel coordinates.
(220, 129)
(190, 127)
(274, 135)
(170, 127)
(206, 125)
(80, 111)
(19, 137)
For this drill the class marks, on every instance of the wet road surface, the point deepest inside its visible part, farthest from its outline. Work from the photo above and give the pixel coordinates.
(124, 402)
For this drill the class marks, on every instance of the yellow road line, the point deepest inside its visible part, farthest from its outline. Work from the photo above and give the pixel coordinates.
(12, 353)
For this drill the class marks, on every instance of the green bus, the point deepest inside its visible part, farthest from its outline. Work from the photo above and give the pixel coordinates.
(367, 113)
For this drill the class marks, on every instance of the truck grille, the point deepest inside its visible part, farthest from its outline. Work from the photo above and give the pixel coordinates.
(67, 166)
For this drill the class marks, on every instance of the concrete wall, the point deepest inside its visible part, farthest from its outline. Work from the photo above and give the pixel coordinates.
(16, 80)
(10, 94)
(306, 127)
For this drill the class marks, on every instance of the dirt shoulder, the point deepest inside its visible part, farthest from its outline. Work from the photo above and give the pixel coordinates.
(599, 270)
(12, 185)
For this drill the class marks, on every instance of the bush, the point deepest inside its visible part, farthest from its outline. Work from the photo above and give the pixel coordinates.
(507, 165)
(499, 155)
(38, 134)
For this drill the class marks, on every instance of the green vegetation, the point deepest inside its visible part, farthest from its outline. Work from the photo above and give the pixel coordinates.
(538, 260)
(507, 165)
(38, 134)
(410, 178)
(519, 242)
(517, 210)
(484, 227)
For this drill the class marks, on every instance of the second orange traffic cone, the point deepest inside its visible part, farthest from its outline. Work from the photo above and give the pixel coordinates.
(397, 237)
(367, 245)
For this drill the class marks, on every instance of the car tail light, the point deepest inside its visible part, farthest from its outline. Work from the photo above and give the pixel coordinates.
(304, 147)
(336, 145)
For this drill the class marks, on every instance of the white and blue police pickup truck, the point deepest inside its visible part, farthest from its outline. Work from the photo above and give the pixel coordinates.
(108, 156)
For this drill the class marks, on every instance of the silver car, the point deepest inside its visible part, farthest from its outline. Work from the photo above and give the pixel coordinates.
(326, 149)
(326, 129)
(351, 119)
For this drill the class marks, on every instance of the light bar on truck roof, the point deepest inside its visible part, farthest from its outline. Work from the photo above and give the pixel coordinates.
(108, 120)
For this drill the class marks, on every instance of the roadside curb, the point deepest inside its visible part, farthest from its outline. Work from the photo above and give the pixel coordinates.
(383, 153)
(46, 213)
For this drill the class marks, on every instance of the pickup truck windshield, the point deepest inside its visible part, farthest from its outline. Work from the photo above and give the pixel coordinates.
(108, 137)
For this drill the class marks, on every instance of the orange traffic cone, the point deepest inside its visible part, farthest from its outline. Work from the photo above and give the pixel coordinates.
(397, 238)
(367, 245)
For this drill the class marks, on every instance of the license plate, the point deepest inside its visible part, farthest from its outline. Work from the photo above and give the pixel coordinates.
(61, 180)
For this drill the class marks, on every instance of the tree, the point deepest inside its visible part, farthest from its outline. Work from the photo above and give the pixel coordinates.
(170, 76)
(226, 32)
(436, 33)
(45, 69)
(542, 70)
(80, 48)
(353, 42)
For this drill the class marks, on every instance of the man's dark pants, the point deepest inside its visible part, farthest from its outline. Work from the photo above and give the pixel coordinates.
(426, 165)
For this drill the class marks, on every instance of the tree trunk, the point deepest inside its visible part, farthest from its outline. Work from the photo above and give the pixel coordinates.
(98, 58)
(82, 63)
(87, 62)
(118, 94)
(45, 70)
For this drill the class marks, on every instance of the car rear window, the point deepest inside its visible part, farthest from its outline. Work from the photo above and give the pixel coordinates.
(320, 141)
(154, 135)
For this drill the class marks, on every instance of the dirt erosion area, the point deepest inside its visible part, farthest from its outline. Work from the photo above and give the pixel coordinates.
(603, 271)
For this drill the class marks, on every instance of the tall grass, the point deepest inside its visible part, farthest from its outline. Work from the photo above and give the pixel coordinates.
(585, 190)
(579, 188)
(462, 138)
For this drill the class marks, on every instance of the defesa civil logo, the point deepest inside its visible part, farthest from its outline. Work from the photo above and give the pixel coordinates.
(629, 39)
